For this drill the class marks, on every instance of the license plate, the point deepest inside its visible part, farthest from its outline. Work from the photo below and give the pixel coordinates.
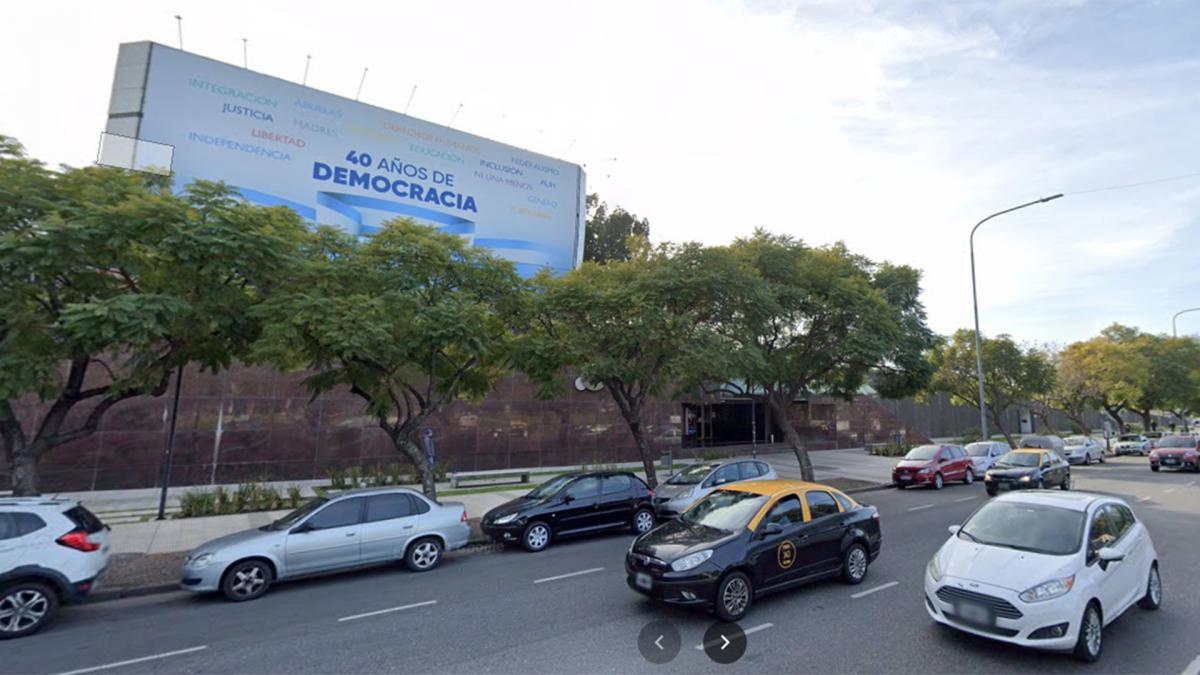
(974, 613)
(642, 581)
(905, 477)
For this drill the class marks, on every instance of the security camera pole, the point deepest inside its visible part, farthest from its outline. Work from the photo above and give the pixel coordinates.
(975, 301)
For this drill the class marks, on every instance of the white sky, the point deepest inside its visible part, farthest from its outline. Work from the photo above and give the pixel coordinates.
(893, 126)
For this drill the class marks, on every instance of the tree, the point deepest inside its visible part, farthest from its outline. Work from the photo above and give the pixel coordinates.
(1110, 369)
(641, 327)
(1011, 375)
(822, 321)
(108, 283)
(1168, 379)
(606, 232)
(1074, 392)
(408, 320)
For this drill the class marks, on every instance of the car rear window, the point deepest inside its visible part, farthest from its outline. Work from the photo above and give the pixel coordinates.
(1177, 442)
(84, 519)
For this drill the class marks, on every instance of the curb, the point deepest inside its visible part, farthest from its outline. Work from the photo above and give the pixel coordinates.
(870, 488)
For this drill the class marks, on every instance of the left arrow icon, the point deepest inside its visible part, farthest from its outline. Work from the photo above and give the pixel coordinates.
(658, 642)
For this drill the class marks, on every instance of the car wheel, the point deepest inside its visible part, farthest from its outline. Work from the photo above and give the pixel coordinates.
(1154, 468)
(938, 482)
(1153, 597)
(25, 607)
(969, 477)
(643, 521)
(900, 486)
(247, 580)
(424, 554)
(992, 492)
(1066, 482)
(734, 595)
(1102, 458)
(536, 537)
(854, 564)
(1091, 635)
(1040, 485)
(1087, 459)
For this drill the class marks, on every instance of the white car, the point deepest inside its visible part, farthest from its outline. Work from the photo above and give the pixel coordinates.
(1132, 444)
(52, 552)
(1044, 569)
(1083, 450)
(984, 454)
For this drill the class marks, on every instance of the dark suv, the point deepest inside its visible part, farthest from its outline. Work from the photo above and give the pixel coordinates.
(573, 504)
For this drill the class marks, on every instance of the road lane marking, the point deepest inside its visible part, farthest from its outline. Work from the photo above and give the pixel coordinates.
(918, 508)
(1168, 491)
(571, 574)
(748, 631)
(1143, 499)
(967, 499)
(1191, 483)
(873, 590)
(130, 662)
(389, 610)
(1193, 668)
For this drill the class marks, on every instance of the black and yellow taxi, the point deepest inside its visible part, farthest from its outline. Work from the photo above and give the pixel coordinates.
(747, 539)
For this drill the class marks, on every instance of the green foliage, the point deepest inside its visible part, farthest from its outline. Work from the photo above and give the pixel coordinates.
(109, 278)
(970, 435)
(607, 233)
(295, 497)
(337, 479)
(1011, 375)
(245, 498)
(891, 449)
(409, 320)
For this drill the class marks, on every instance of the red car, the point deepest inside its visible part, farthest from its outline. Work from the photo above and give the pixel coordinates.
(1176, 452)
(933, 465)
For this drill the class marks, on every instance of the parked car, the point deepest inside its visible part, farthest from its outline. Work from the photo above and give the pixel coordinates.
(1176, 452)
(356, 528)
(933, 465)
(1132, 444)
(573, 504)
(751, 538)
(1083, 450)
(1043, 442)
(688, 486)
(1154, 437)
(984, 454)
(1041, 570)
(1026, 469)
(52, 552)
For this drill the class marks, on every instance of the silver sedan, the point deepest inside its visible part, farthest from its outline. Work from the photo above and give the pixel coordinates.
(685, 488)
(353, 529)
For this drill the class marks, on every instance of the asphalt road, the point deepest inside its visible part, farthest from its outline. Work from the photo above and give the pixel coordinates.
(567, 609)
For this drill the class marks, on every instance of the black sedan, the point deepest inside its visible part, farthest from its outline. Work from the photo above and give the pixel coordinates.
(1028, 469)
(745, 540)
(572, 504)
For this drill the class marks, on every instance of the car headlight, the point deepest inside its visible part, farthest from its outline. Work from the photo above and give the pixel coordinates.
(201, 560)
(935, 567)
(1026, 479)
(1050, 589)
(504, 520)
(925, 470)
(987, 476)
(688, 562)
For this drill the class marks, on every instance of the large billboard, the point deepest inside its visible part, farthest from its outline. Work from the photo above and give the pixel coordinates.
(344, 163)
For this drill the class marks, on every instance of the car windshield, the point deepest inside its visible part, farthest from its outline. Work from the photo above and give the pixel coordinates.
(979, 449)
(1130, 437)
(1026, 527)
(1036, 442)
(923, 452)
(1075, 440)
(691, 475)
(1018, 459)
(298, 515)
(728, 510)
(1177, 442)
(550, 487)
(1153, 434)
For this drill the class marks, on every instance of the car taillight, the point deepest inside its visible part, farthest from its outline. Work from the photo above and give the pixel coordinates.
(463, 518)
(652, 493)
(78, 540)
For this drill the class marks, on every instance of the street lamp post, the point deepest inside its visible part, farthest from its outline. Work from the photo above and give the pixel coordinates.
(975, 303)
(1174, 331)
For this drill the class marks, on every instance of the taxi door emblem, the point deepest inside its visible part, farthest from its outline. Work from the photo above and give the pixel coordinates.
(786, 554)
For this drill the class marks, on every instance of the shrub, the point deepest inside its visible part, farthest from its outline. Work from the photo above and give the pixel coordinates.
(971, 435)
(196, 503)
(337, 479)
(294, 497)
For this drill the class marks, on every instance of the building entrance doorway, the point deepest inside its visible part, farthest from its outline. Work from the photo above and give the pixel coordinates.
(729, 422)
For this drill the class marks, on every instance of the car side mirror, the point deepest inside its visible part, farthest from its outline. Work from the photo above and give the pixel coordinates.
(770, 530)
(954, 529)
(567, 499)
(1107, 556)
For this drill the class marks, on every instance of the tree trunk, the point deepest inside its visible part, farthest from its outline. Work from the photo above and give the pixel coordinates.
(779, 411)
(631, 410)
(1000, 426)
(22, 462)
(1115, 413)
(1147, 420)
